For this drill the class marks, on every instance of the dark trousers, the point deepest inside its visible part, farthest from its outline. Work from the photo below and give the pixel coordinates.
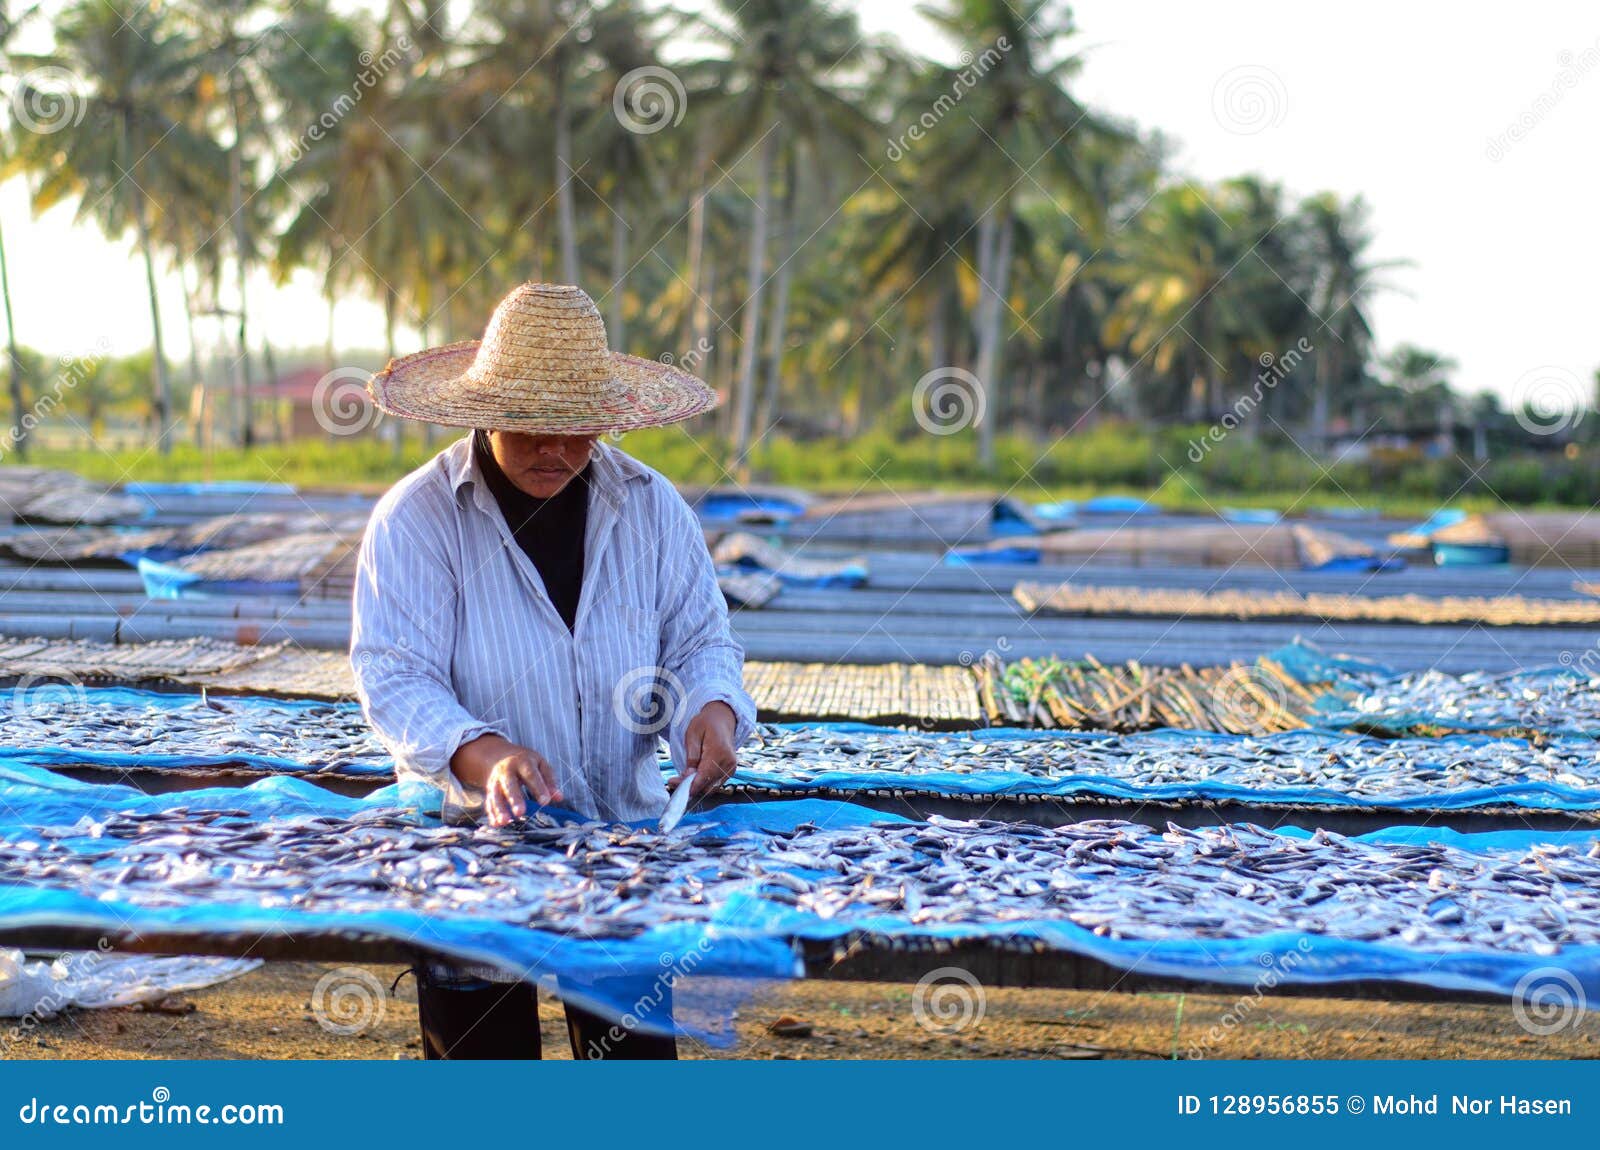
(476, 1019)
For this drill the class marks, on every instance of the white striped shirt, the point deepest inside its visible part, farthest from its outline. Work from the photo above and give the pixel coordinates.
(455, 637)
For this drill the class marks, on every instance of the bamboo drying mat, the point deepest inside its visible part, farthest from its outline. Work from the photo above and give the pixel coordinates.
(1496, 611)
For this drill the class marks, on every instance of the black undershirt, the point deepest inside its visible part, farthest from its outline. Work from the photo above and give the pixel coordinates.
(549, 531)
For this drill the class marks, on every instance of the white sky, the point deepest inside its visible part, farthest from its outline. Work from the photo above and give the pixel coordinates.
(1398, 102)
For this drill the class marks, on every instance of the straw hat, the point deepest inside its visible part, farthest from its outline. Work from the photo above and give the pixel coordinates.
(542, 366)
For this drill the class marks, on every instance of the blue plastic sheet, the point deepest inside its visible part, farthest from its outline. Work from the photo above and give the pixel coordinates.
(211, 487)
(164, 581)
(966, 556)
(750, 937)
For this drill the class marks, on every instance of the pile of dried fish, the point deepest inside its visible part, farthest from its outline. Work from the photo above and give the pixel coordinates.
(1538, 703)
(1187, 603)
(1240, 699)
(60, 719)
(1119, 880)
(1372, 770)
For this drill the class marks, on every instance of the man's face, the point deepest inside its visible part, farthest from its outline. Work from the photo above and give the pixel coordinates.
(540, 465)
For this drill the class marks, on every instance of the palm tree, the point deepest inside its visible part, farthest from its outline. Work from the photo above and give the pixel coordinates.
(780, 78)
(1192, 290)
(1016, 128)
(19, 444)
(133, 149)
(1345, 280)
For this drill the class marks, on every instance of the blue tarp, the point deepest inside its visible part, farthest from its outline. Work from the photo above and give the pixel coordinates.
(966, 556)
(164, 581)
(210, 487)
(750, 936)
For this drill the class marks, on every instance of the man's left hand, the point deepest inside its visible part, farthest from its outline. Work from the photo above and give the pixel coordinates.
(708, 745)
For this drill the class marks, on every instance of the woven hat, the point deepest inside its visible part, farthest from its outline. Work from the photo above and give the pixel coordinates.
(542, 366)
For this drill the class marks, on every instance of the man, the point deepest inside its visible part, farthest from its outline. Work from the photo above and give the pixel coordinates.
(534, 609)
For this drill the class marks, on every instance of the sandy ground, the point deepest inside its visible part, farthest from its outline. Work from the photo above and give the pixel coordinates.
(268, 1014)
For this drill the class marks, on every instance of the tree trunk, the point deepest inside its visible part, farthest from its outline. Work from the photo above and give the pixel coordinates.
(778, 321)
(13, 362)
(619, 270)
(197, 377)
(274, 391)
(938, 326)
(750, 334)
(991, 330)
(564, 206)
(391, 304)
(695, 315)
(328, 352)
(163, 396)
(241, 256)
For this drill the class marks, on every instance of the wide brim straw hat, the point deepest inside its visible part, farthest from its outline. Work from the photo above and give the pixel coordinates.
(542, 367)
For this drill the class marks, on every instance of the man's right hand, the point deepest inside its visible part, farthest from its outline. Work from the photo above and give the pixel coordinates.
(506, 774)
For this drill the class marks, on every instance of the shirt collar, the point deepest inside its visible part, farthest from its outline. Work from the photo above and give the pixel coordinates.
(611, 469)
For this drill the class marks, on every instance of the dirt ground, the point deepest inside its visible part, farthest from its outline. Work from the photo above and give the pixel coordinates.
(268, 1014)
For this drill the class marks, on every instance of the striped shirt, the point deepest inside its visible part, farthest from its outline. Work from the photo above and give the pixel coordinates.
(454, 636)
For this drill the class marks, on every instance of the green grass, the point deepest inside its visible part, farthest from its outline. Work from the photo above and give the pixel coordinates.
(1109, 460)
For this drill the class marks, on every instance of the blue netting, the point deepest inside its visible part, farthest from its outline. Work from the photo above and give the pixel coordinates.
(750, 936)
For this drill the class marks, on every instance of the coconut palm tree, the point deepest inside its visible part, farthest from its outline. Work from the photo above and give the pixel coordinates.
(133, 149)
(9, 23)
(782, 76)
(1015, 130)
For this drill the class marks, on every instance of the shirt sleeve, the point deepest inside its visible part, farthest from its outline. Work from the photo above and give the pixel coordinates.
(703, 662)
(402, 641)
